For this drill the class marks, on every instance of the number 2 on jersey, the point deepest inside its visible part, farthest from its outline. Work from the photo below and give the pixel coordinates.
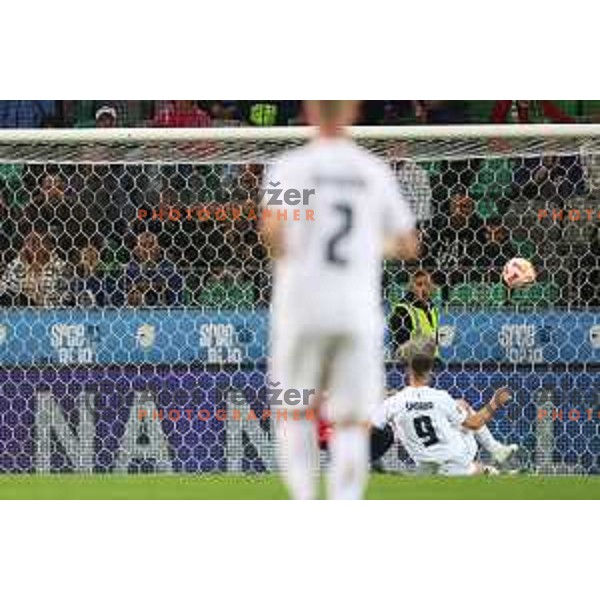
(333, 251)
(425, 431)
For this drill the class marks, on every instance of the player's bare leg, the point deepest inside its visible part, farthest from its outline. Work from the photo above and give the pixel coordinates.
(299, 455)
(500, 452)
(349, 467)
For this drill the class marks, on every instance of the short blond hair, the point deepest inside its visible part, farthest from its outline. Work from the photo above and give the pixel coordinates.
(420, 355)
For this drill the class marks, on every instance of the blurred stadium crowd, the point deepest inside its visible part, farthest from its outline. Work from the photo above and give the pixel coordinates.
(223, 113)
(70, 234)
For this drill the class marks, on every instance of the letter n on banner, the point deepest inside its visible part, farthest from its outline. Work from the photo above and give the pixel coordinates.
(51, 424)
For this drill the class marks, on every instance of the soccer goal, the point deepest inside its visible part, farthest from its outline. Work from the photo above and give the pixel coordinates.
(135, 291)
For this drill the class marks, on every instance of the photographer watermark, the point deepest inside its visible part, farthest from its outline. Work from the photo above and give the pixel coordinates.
(280, 404)
(223, 213)
(569, 214)
(290, 200)
(274, 196)
(571, 414)
(222, 414)
(273, 396)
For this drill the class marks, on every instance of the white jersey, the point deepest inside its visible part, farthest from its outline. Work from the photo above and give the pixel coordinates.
(329, 277)
(428, 424)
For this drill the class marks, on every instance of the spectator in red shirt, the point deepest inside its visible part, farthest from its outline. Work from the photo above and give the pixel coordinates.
(182, 113)
(524, 108)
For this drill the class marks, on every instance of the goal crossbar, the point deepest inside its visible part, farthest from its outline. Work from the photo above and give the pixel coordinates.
(231, 134)
(263, 144)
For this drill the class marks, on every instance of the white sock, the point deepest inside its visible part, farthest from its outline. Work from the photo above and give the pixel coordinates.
(486, 439)
(349, 467)
(298, 456)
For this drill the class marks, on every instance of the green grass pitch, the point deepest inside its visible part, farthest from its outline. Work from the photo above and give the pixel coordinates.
(268, 487)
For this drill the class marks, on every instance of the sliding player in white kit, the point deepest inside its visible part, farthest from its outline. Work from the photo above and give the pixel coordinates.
(327, 319)
(430, 424)
(382, 439)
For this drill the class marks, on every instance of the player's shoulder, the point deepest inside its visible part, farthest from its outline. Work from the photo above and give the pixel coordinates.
(400, 397)
(430, 394)
(314, 148)
(409, 398)
(290, 163)
(377, 162)
(441, 399)
(440, 394)
(294, 156)
(370, 161)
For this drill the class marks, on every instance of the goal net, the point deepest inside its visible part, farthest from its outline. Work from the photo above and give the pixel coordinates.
(134, 291)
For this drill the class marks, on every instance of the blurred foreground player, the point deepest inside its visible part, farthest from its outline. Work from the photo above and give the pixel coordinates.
(327, 318)
(433, 428)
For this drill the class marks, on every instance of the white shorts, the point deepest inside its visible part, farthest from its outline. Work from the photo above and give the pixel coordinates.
(349, 366)
(450, 468)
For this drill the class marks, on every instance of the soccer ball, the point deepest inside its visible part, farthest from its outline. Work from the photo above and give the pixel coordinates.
(518, 273)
